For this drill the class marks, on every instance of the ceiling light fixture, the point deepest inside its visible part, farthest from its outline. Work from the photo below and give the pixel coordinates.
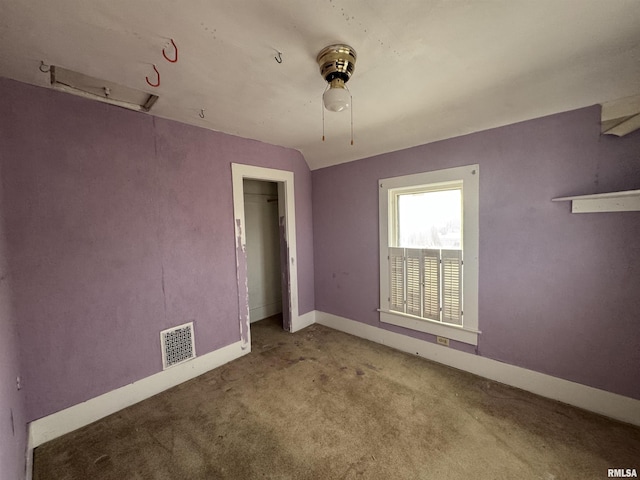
(101, 90)
(337, 63)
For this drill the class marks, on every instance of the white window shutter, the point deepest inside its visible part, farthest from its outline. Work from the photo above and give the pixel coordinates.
(396, 279)
(431, 283)
(413, 281)
(452, 286)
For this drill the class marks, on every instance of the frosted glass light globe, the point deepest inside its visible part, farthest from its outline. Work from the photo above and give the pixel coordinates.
(336, 99)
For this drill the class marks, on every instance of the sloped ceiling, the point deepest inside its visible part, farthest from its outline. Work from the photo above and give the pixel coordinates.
(426, 69)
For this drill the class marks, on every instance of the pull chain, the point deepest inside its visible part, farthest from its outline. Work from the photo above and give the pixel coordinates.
(351, 108)
(322, 106)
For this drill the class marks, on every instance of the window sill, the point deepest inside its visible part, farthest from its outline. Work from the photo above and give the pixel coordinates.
(411, 322)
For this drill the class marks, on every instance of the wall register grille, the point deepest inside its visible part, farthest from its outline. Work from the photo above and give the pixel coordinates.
(178, 345)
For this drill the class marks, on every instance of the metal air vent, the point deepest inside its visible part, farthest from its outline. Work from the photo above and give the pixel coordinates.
(178, 345)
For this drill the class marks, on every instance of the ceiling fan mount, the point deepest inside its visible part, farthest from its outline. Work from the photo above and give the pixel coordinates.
(337, 62)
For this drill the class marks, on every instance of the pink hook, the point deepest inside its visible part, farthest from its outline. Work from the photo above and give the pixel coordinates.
(176, 50)
(158, 74)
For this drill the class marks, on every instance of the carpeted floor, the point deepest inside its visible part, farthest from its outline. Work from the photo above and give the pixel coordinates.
(320, 404)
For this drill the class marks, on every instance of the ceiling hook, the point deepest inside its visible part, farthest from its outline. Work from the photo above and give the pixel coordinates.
(201, 114)
(157, 84)
(175, 48)
(44, 68)
(279, 57)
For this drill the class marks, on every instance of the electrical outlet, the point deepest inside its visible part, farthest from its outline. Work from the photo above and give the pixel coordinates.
(19, 382)
(443, 341)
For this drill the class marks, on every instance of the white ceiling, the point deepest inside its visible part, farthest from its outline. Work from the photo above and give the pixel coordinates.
(426, 69)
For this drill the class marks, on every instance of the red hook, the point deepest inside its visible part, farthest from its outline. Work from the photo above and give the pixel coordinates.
(176, 50)
(158, 74)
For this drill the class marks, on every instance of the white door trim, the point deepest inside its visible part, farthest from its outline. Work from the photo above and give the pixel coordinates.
(287, 211)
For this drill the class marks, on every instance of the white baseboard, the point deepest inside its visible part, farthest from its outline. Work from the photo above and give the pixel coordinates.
(599, 401)
(303, 321)
(595, 400)
(77, 416)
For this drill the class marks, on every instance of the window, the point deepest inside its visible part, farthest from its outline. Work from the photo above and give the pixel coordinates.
(429, 252)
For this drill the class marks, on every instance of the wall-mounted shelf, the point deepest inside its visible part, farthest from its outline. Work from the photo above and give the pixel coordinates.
(627, 201)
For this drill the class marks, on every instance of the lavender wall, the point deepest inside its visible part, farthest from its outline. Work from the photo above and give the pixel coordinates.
(559, 292)
(120, 225)
(13, 427)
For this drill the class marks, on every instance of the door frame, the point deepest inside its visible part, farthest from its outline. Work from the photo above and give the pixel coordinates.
(287, 218)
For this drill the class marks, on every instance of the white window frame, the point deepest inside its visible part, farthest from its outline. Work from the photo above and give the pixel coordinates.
(469, 176)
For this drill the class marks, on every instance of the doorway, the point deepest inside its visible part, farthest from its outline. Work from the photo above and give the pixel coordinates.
(264, 271)
(288, 251)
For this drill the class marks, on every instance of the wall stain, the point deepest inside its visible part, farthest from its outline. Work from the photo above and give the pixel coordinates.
(164, 295)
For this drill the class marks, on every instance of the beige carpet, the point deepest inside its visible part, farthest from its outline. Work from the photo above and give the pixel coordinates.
(320, 404)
